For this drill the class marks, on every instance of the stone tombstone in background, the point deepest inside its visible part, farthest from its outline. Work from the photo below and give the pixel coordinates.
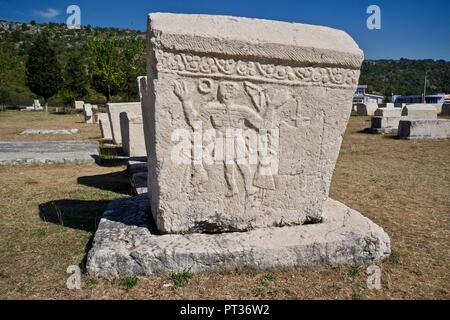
(385, 120)
(88, 113)
(105, 126)
(245, 120)
(366, 109)
(114, 111)
(79, 105)
(37, 105)
(424, 129)
(419, 111)
(132, 132)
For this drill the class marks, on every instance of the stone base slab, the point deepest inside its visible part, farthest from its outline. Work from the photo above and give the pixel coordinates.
(47, 152)
(127, 243)
(49, 131)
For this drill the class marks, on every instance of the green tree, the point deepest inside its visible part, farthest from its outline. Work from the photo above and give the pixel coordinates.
(76, 80)
(43, 71)
(132, 66)
(106, 76)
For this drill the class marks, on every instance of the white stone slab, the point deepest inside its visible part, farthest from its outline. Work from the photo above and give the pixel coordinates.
(132, 132)
(419, 111)
(79, 105)
(127, 244)
(47, 152)
(114, 110)
(105, 126)
(424, 129)
(49, 131)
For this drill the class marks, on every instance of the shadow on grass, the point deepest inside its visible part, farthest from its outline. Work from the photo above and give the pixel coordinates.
(76, 214)
(116, 181)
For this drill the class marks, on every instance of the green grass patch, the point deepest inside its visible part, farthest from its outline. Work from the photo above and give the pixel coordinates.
(181, 279)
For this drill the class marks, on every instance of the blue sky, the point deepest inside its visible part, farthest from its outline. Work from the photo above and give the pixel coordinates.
(415, 29)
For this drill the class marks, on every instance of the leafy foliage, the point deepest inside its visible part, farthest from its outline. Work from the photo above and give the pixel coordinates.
(117, 58)
(76, 80)
(43, 70)
(405, 77)
(107, 77)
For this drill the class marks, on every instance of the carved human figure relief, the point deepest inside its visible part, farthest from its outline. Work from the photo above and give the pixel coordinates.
(229, 119)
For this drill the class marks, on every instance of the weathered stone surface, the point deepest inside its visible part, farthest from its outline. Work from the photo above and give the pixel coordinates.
(139, 182)
(388, 112)
(126, 243)
(105, 126)
(49, 131)
(386, 105)
(424, 129)
(114, 110)
(419, 111)
(289, 85)
(42, 152)
(366, 109)
(384, 124)
(132, 132)
(385, 120)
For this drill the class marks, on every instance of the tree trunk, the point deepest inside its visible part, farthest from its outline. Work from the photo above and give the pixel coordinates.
(46, 104)
(109, 94)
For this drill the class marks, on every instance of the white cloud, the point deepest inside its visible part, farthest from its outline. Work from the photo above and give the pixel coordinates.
(47, 13)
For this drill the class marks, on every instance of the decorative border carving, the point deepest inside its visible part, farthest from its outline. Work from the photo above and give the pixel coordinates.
(197, 66)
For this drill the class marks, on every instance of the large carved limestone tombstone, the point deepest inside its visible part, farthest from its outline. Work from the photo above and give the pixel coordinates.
(246, 119)
(243, 122)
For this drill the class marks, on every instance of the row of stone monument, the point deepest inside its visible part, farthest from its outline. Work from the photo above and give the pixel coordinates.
(410, 121)
(121, 125)
(35, 107)
(242, 122)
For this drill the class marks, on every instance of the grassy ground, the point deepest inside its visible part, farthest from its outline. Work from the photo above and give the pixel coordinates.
(12, 123)
(48, 215)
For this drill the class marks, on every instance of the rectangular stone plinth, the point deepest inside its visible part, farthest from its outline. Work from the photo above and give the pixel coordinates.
(126, 244)
(132, 132)
(114, 110)
(424, 129)
(47, 152)
(380, 124)
(245, 120)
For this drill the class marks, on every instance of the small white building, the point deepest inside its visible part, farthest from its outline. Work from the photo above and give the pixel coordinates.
(362, 97)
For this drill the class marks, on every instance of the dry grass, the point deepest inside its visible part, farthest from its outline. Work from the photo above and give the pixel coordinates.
(402, 185)
(12, 123)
